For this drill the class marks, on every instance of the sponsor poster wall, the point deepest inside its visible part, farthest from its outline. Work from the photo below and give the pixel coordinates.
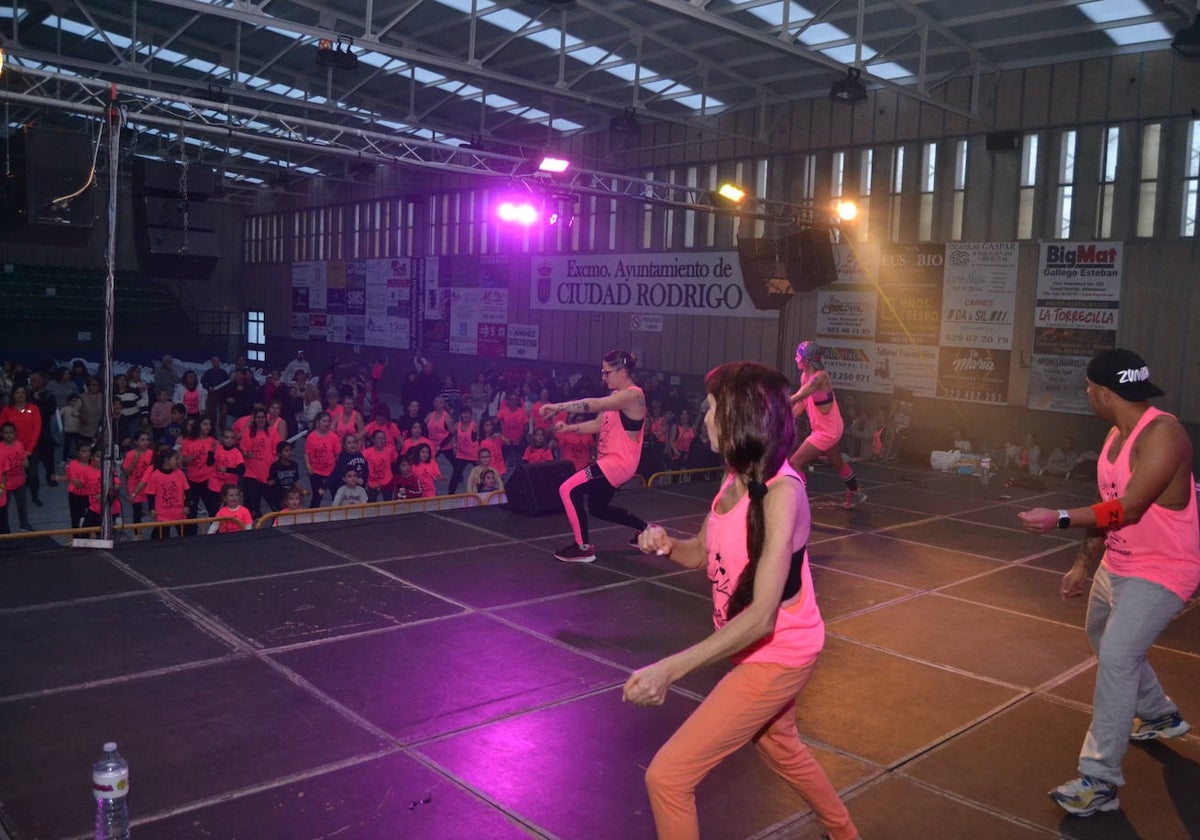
(1078, 300)
(353, 302)
(936, 320)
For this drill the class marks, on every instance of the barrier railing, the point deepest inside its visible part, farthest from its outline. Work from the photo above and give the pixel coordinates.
(370, 510)
(714, 471)
(136, 528)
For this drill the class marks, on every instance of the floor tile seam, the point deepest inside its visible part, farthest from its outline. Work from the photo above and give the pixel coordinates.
(1032, 558)
(276, 650)
(827, 566)
(940, 666)
(53, 605)
(665, 584)
(120, 679)
(886, 532)
(203, 620)
(418, 744)
(976, 805)
(250, 790)
(352, 558)
(560, 596)
(185, 587)
(911, 596)
(1010, 611)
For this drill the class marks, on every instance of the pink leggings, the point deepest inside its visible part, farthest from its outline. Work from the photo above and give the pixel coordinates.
(754, 702)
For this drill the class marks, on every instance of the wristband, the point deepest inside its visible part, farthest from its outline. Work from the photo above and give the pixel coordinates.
(1109, 513)
(1064, 519)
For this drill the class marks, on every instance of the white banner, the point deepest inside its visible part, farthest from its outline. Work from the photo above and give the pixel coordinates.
(704, 283)
(979, 295)
(1078, 271)
(857, 263)
(522, 341)
(844, 314)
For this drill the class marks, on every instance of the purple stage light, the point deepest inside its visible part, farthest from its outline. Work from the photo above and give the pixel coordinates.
(553, 164)
(524, 213)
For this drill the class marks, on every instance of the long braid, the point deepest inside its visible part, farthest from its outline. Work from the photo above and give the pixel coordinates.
(755, 433)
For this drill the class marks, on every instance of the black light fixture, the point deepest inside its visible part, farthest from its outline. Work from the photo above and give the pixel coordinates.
(850, 89)
(1187, 40)
(337, 57)
(626, 123)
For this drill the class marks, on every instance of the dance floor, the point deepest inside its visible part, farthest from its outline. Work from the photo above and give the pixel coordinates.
(442, 676)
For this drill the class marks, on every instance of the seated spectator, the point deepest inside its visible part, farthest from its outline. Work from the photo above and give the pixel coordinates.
(477, 481)
(426, 469)
(961, 443)
(283, 476)
(351, 492)
(576, 447)
(232, 508)
(1065, 460)
(407, 484)
(1024, 457)
(538, 451)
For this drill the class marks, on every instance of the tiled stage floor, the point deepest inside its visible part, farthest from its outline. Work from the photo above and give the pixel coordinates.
(441, 676)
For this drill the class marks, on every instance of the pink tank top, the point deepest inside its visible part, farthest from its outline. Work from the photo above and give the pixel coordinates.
(618, 454)
(1163, 546)
(830, 423)
(799, 630)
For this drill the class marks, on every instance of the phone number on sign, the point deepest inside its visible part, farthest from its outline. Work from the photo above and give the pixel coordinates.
(1002, 341)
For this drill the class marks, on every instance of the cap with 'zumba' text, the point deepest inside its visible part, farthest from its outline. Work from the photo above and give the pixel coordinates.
(1125, 373)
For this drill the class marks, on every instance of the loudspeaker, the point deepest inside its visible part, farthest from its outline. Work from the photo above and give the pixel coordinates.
(161, 179)
(1004, 141)
(47, 167)
(175, 237)
(533, 488)
(808, 254)
(763, 273)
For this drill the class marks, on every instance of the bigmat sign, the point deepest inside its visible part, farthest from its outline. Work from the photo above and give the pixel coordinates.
(706, 283)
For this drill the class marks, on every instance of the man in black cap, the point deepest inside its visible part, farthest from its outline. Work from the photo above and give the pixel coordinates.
(1146, 533)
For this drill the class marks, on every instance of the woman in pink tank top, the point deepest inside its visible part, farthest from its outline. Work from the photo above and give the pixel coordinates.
(815, 399)
(753, 545)
(619, 449)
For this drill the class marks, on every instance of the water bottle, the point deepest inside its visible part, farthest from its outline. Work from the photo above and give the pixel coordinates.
(110, 784)
(985, 464)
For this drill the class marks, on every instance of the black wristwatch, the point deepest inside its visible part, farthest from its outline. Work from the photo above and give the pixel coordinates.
(1064, 519)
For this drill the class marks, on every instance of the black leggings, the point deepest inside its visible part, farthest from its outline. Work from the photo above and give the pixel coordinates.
(317, 482)
(590, 482)
(461, 466)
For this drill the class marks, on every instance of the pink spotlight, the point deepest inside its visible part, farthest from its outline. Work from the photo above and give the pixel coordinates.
(524, 214)
(553, 164)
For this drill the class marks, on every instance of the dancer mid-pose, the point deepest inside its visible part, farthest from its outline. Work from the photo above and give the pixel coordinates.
(815, 398)
(618, 451)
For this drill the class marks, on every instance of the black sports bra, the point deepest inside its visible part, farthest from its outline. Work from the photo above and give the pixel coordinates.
(792, 585)
(629, 424)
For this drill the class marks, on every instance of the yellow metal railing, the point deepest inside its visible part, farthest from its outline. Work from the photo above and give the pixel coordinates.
(715, 471)
(93, 532)
(369, 510)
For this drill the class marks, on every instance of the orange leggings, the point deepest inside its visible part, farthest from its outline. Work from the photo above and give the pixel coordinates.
(753, 702)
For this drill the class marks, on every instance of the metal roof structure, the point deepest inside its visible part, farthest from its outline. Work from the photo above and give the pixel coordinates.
(469, 85)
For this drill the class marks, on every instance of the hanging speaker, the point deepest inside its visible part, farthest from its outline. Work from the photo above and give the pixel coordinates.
(174, 228)
(764, 274)
(809, 256)
(48, 198)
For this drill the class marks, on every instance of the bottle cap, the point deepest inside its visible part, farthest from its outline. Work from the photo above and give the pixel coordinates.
(110, 746)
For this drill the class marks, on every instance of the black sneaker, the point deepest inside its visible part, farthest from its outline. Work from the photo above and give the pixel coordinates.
(576, 553)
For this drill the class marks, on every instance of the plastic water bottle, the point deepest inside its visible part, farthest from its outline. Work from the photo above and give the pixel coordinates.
(985, 464)
(110, 784)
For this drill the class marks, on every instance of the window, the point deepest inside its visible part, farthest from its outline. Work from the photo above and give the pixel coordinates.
(958, 207)
(760, 188)
(256, 336)
(1065, 194)
(928, 182)
(648, 213)
(837, 181)
(689, 216)
(1028, 189)
(1191, 180)
(1108, 181)
(897, 192)
(1148, 179)
(866, 170)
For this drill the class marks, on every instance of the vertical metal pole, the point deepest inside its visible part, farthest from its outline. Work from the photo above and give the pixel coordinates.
(107, 432)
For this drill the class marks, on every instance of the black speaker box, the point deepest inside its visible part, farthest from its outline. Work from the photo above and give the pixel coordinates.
(763, 273)
(175, 238)
(808, 254)
(1004, 141)
(533, 488)
(47, 166)
(161, 179)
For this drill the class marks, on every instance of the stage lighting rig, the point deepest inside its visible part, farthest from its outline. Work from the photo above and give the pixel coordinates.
(337, 57)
